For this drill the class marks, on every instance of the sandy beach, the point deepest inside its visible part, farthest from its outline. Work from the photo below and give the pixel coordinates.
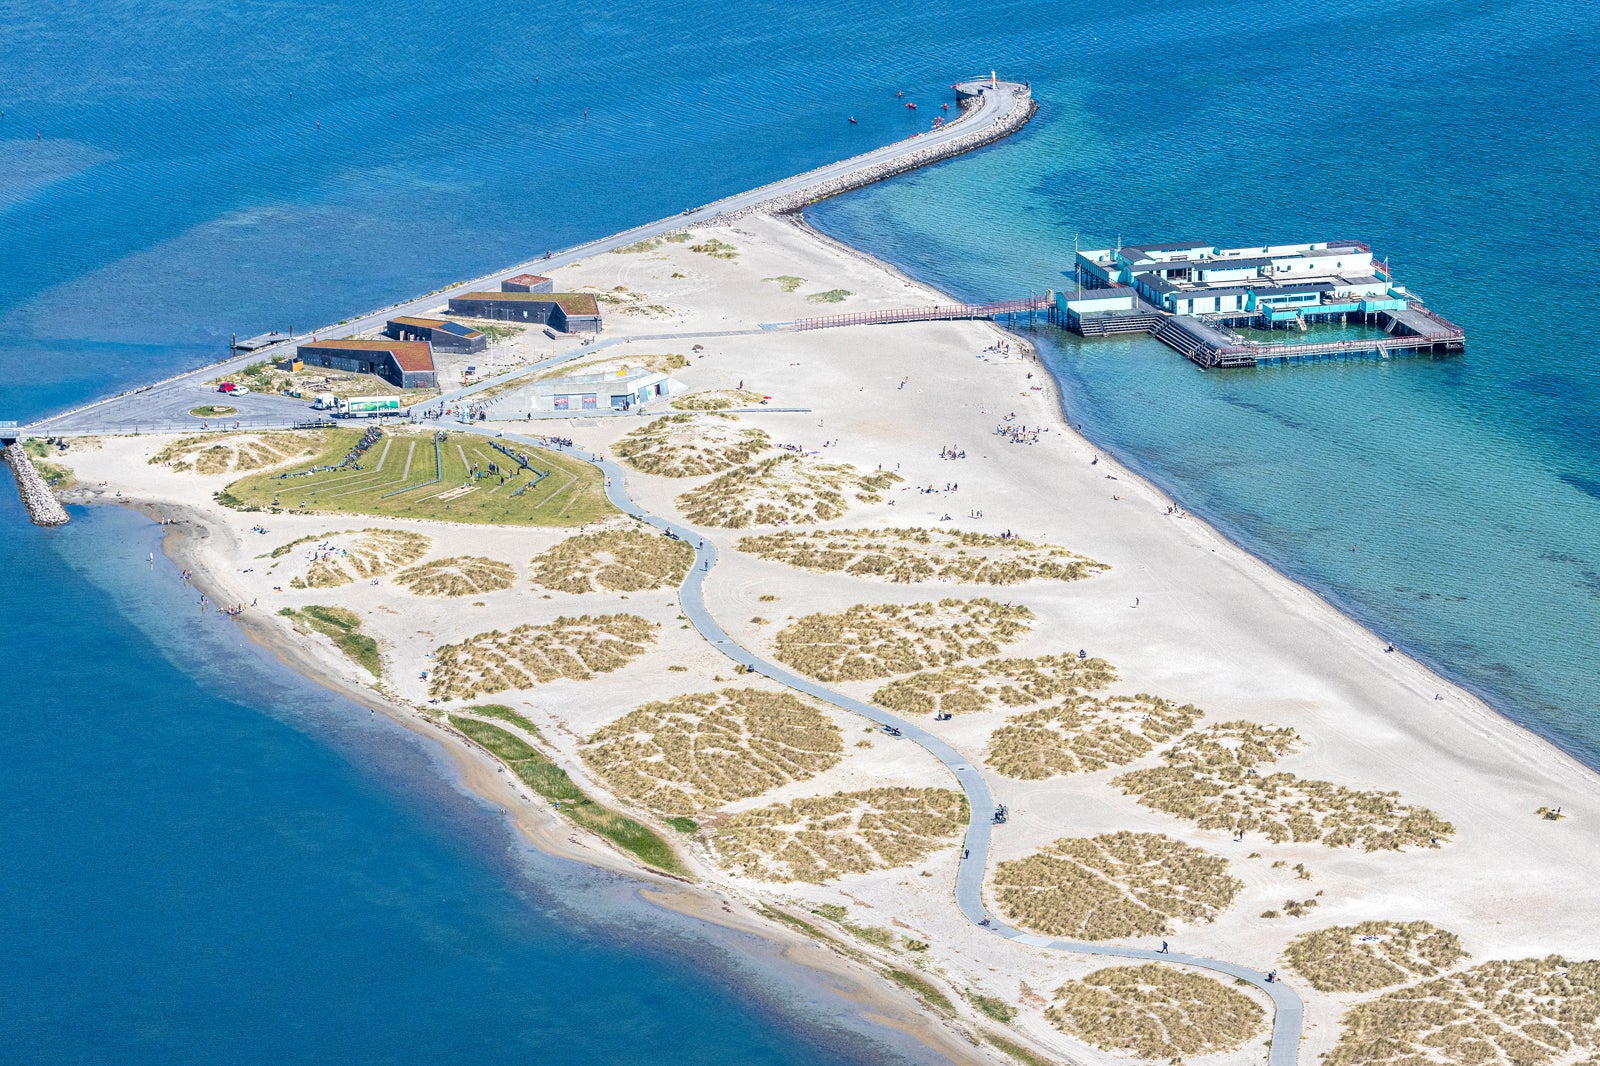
(970, 427)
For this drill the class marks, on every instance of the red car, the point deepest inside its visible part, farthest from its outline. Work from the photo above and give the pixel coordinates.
(226, 386)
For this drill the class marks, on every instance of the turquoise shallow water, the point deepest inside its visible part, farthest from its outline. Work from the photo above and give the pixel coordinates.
(242, 872)
(1464, 147)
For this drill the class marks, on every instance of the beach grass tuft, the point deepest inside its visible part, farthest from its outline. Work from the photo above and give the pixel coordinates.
(342, 626)
(1083, 734)
(880, 640)
(1154, 1011)
(782, 490)
(906, 556)
(554, 784)
(994, 685)
(1373, 955)
(819, 838)
(690, 445)
(1114, 885)
(460, 575)
(529, 655)
(704, 750)
(1217, 778)
(630, 558)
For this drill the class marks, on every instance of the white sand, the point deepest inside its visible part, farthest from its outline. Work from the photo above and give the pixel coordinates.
(1214, 627)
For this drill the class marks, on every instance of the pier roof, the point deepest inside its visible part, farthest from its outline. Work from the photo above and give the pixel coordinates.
(1171, 246)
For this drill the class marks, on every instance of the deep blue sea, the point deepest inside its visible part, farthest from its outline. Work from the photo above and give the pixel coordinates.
(206, 860)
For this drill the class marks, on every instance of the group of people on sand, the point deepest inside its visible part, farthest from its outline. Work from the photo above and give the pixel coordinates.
(327, 550)
(1020, 434)
(952, 453)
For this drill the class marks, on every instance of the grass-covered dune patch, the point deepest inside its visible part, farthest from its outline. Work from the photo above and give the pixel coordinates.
(703, 750)
(1219, 778)
(880, 640)
(783, 490)
(459, 575)
(237, 453)
(358, 556)
(1082, 734)
(627, 559)
(906, 556)
(717, 399)
(822, 838)
(994, 684)
(528, 655)
(1156, 1012)
(690, 445)
(1114, 885)
(1521, 1012)
(1372, 955)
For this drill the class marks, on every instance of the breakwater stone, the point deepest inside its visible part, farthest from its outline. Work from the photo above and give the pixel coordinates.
(1022, 109)
(42, 505)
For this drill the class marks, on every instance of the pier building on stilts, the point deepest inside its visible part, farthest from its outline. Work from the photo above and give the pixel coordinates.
(1195, 296)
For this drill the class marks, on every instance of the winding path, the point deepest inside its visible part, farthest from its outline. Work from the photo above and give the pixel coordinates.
(1288, 1013)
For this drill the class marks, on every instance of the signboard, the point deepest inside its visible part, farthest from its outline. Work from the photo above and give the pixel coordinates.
(562, 403)
(590, 401)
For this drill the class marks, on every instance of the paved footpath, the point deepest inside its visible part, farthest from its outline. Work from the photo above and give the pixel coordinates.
(1288, 1015)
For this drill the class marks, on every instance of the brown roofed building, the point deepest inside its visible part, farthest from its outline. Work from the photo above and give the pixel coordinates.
(527, 283)
(444, 336)
(407, 364)
(570, 312)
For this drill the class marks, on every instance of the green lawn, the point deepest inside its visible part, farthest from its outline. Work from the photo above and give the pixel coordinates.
(552, 782)
(572, 494)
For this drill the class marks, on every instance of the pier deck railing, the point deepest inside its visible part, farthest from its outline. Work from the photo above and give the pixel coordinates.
(935, 313)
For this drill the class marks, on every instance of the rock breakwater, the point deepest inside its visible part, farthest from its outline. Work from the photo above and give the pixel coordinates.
(1021, 110)
(42, 505)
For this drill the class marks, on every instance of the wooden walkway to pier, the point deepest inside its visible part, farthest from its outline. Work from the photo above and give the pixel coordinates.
(1010, 310)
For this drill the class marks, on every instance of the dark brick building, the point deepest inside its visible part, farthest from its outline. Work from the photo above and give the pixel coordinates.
(407, 364)
(570, 312)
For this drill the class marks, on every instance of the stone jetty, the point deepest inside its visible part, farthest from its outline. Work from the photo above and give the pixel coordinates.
(1021, 110)
(42, 505)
